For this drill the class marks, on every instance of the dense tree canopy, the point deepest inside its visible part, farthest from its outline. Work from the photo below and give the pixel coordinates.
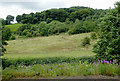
(79, 14)
(61, 15)
(56, 14)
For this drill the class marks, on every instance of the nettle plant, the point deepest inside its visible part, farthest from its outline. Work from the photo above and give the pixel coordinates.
(108, 47)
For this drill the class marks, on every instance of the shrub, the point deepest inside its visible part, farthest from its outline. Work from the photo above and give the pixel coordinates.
(86, 41)
(13, 37)
(38, 34)
(29, 34)
(93, 36)
(48, 20)
(24, 33)
(108, 47)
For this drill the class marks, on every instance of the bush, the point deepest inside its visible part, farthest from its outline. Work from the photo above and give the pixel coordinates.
(56, 27)
(48, 20)
(81, 27)
(86, 41)
(29, 34)
(24, 33)
(93, 36)
(13, 37)
(108, 46)
(38, 34)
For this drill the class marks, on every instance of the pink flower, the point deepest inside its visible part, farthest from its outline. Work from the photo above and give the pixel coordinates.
(110, 61)
(101, 61)
(98, 60)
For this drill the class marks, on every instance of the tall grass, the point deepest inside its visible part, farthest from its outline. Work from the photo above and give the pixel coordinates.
(63, 69)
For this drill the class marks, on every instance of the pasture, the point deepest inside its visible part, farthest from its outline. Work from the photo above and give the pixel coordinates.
(52, 46)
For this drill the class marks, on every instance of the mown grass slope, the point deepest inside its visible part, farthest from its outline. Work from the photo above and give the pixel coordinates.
(52, 46)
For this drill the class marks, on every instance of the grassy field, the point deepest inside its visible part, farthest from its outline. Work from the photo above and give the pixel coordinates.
(14, 27)
(52, 46)
(53, 56)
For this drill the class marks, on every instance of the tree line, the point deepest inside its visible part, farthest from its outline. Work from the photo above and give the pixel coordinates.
(60, 14)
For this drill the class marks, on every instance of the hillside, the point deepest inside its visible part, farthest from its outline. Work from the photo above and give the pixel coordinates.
(52, 46)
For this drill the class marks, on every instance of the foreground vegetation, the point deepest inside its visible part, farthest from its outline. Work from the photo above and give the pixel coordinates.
(64, 69)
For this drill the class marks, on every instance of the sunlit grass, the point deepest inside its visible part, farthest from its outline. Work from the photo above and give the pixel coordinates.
(51, 54)
(14, 27)
(52, 46)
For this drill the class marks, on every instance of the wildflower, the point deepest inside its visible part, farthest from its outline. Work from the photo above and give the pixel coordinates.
(110, 61)
(98, 60)
(101, 61)
(107, 62)
(104, 61)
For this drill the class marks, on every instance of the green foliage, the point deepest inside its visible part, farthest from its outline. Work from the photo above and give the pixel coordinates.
(61, 15)
(56, 14)
(24, 19)
(79, 14)
(43, 29)
(48, 20)
(25, 30)
(28, 34)
(30, 31)
(108, 47)
(86, 41)
(6, 34)
(56, 27)
(77, 28)
(18, 18)
(12, 37)
(81, 27)
(93, 36)
(63, 69)
(48, 60)
(9, 18)
(61, 21)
